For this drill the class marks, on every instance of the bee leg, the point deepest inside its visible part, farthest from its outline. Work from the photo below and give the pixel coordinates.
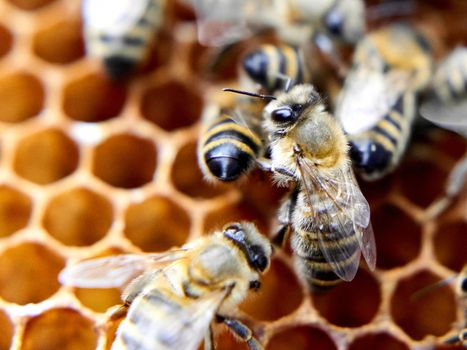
(242, 331)
(209, 339)
(118, 312)
(285, 219)
(266, 165)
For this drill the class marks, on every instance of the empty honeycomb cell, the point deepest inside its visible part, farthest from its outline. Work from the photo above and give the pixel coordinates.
(6, 40)
(375, 191)
(60, 43)
(398, 237)
(161, 50)
(6, 330)
(22, 266)
(350, 304)
(59, 329)
(25, 96)
(450, 241)
(450, 143)
(430, 313)
(279, 295)
(125, 161)
(30, 5)
(428, 176)
(225, 340)
(301, 338)
(187, 177)
(87, 98)
(15, 210)
(98, 300)
(46, 156)
(378, 341)
(157, 224)
(171, 105)
(79, 217)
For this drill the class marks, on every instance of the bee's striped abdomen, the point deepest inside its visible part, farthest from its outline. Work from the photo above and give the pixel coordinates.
(271, 66)
(228, 149)
(310, 259)
(379, 150)
(127, 43)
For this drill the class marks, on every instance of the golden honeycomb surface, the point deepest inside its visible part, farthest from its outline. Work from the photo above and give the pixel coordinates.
(90, 167)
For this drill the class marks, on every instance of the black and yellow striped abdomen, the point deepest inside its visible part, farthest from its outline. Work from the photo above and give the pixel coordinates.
(128, 42)
(311, 225)
(377, 151)
(228, 149)
(271, 66)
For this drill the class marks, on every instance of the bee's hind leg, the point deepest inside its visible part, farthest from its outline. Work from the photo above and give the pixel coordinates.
(242, 331)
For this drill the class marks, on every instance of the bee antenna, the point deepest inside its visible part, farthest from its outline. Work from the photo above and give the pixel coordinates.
(253, 94)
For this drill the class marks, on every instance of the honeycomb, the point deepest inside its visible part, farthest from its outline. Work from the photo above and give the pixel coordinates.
(91, 167)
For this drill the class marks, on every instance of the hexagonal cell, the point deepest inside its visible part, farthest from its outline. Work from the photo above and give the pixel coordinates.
(157, 224)
(280, 294)
(15, 210)
(87, 98)
(79, 217)
(449, 244)
(60, 43)
(125, 161)
(187, 177)
(22, 95)
(98, 300)
(433, 313)
(350, 304)
(46, 157)
(22, 266)
(59, 329)
(398, 237)
(171, 105)
(6, 40)
(6, 329)
(428, 177)
(301, 338)
(225, 340)
(378, 341)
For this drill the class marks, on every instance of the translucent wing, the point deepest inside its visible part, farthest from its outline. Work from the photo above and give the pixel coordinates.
(115, 271)
(113, 17)
(173, 322)
(452, 116)
(221, 22)
(342, 218)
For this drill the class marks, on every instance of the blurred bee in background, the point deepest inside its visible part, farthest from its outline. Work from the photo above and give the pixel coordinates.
(229, 143)
(119, 33)
(326, 214)
(274, 68)
(446, 106)
(377, 104)
(172, 298)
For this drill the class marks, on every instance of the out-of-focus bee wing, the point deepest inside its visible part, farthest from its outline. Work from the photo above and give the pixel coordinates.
(221, 22)
(340, 205)
(176, 325)
(113, 17)
(451, 116)
(115, 271)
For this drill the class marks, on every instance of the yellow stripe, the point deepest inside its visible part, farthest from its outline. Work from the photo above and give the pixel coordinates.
(235, 127)
(397, 117)
(381, 139)
(389, 128)
(245, 148)
(325, 283)
(326, 266)
(273, 64)
(291, 66)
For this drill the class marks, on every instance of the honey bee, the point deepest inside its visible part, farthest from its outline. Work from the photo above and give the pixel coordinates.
(377, 105)
(229, 144)
(274, 67)
(171, 299)
(446, 106)
(326, 214)
(461, 289)
(119, 33)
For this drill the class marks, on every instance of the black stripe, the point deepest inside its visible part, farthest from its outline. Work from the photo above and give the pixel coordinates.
(220, 121)
(127, 40)
(233, 135)
(390, 120)
(399, 105)
(299, 78)
(384, 133)
(228, 150)
(279, 81)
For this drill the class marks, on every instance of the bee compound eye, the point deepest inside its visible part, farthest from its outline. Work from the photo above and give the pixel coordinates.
(464, 285)
(232, 229)
(334, 21)
(283, 115)
(259, 259)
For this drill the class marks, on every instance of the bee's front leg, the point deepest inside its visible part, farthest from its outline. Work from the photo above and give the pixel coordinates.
(266, 165)
(242, 331)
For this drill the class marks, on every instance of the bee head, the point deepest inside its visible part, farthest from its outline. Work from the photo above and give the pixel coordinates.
(256, 248)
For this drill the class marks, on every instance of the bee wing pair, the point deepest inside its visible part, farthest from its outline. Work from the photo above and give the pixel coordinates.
(448, 116)
(346, 208)
(175, 326)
